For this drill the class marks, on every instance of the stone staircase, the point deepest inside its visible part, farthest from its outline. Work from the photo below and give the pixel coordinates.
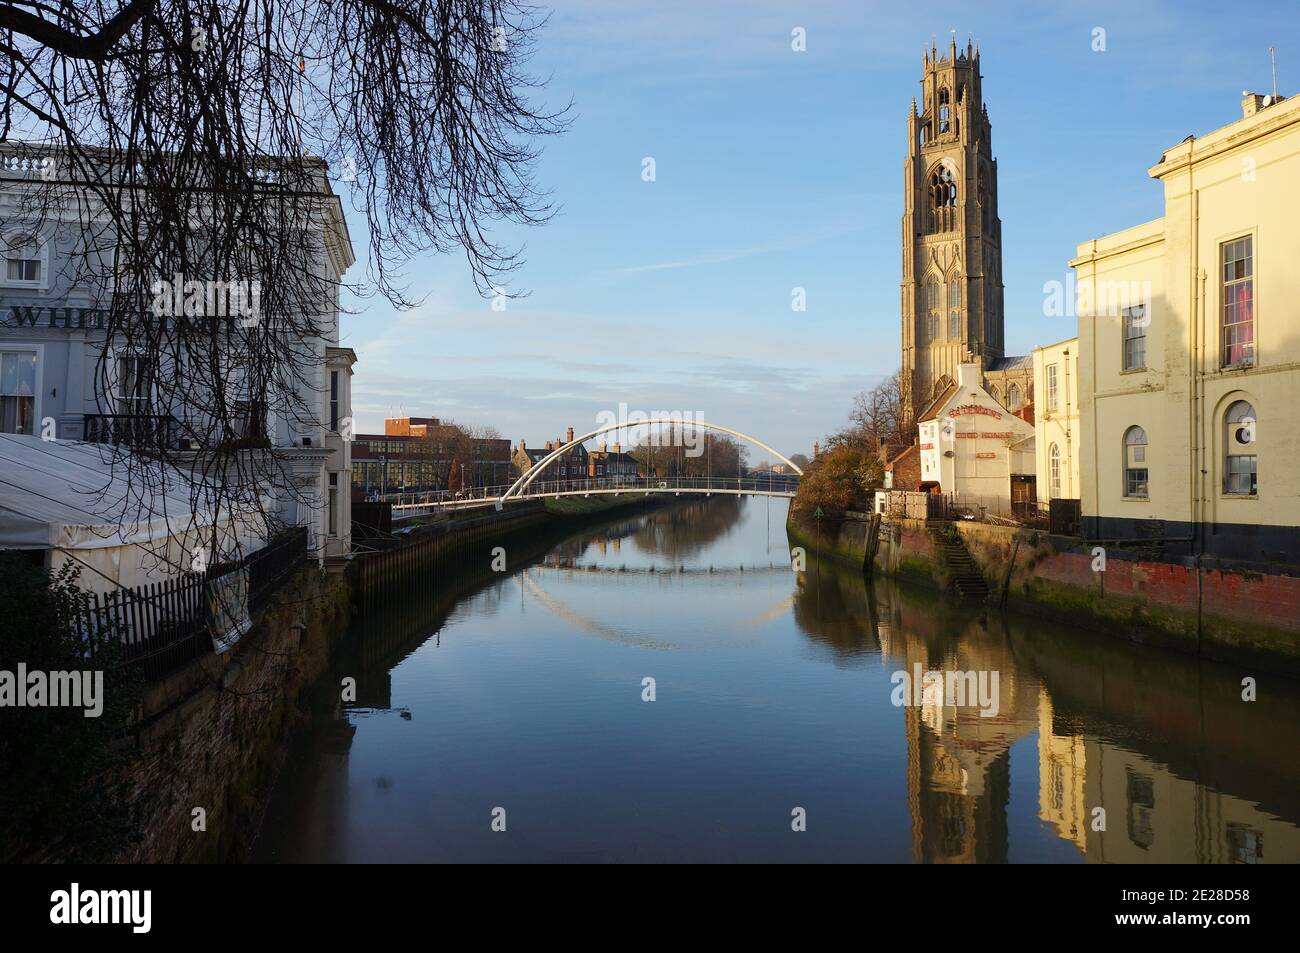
(965, 574)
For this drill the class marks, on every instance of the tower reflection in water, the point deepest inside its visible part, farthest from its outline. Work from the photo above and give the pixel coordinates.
(1143, 756)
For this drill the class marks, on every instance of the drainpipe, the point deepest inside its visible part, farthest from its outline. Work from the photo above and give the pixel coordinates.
(1196, 395)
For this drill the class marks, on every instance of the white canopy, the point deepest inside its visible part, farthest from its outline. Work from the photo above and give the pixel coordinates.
(68, 498)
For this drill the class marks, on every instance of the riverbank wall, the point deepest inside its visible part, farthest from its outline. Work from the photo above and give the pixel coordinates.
(211, 736)
(1228, 611)
(844, 539)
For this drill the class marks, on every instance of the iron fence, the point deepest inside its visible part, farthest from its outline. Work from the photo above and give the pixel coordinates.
(164, 625)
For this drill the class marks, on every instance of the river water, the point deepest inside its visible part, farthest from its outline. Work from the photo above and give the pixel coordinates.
(523, 703)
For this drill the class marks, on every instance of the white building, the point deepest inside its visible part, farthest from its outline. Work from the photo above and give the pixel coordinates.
(52, 335)
(1056, 419)
(974, 450)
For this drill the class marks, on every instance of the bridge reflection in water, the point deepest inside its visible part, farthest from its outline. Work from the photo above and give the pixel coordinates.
(773, 691)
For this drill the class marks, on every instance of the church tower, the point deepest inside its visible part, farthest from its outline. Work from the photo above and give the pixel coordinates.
(952, 237)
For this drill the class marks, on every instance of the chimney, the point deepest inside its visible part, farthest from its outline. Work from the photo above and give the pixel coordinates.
(1252, 103)
(569, 436)
(522, 446)
(548, 445)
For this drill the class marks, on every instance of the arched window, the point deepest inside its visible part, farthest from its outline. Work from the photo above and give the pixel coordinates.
(932, 302)
(1239, 465)
(1135, 463)
(954, 292)
(943, 188)
(932, 326)
(954, 325)
(1054, 470)
(943, 199)
(944, 111)
(995, 393)
(1013, 397)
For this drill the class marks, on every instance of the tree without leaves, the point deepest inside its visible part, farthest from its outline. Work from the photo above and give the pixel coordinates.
(852, 463)
(196, 139)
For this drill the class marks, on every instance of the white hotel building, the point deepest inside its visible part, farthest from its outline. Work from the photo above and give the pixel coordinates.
(51, 338)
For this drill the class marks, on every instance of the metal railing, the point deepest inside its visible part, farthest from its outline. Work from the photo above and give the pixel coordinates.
(766, 484)
(160, 431)
(164, 625)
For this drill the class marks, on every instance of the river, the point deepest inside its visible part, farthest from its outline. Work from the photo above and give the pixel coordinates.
(667, 687)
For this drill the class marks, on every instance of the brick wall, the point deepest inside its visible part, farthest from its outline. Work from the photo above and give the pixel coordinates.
(1243, 615)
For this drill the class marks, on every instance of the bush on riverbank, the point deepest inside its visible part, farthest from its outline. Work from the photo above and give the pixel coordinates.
(841, 478)
(59, 799)
(845, 474)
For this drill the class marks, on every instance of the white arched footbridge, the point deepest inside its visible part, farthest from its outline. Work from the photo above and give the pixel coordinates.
(531, 484)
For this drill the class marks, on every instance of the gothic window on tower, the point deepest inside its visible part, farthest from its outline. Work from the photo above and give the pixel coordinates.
(1013, 397)
(943, 199)
(945, 121)
(932, 326)
(954, 325)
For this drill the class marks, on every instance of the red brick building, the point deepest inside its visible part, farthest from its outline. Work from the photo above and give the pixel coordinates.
(418, 453)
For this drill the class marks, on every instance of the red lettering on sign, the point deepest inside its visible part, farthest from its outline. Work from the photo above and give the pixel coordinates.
(965, 409)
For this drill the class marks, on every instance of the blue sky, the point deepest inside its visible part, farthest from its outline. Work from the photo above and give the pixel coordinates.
(777, 170)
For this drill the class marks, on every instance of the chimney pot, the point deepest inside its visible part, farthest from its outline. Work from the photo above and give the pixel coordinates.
(569, 436)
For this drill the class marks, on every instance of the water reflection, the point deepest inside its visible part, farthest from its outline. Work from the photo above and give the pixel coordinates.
(1184, 769)
(774, 691)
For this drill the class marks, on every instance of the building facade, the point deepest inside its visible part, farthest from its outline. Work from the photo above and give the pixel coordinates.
(1190, 349)
(573, 464)
(64, 377)
(1056, 420)
(416, 454)
(974, 450)
(611, 465)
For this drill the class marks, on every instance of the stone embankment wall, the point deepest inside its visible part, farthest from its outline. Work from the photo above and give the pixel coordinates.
(212, 736)
(1213, 609)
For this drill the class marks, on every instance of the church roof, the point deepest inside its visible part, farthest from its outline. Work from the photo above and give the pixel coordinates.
(1014, 363)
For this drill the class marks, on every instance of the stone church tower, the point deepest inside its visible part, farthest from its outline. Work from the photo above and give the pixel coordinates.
(952, 237)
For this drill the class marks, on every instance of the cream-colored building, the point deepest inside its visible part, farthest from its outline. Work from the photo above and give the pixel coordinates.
(1190, 341)
(977, 452)
(1056, 419)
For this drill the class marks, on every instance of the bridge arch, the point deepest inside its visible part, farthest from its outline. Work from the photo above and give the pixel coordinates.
(535, 471)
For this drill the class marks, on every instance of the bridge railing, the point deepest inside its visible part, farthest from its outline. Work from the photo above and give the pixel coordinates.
(484, 494)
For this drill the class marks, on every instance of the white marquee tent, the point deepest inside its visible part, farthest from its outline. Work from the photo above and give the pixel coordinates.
(66, 498)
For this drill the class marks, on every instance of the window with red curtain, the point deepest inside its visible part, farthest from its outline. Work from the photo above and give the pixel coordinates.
(1238, 302)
